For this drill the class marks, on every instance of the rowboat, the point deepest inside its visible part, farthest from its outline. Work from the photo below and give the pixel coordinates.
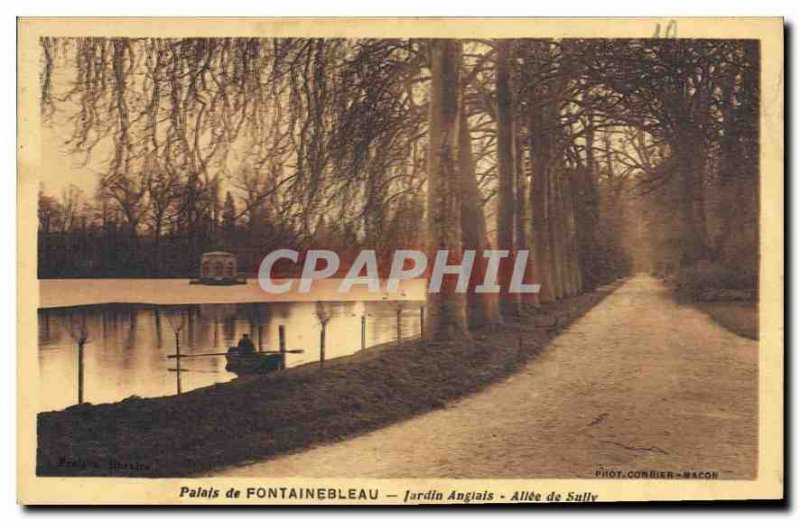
(248, 362)
(251, 362)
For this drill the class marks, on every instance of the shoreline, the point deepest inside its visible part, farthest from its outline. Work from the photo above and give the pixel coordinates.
(67, 293)
(257, 417)
(740, 317)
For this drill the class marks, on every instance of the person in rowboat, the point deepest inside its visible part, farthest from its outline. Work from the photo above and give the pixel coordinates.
(246, 346)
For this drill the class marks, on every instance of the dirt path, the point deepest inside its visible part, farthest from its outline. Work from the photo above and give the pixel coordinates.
(639, 383)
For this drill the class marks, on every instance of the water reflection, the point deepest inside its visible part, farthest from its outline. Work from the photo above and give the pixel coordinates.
(129, 343)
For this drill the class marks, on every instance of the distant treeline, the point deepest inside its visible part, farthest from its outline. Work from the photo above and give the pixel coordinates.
(82, 237)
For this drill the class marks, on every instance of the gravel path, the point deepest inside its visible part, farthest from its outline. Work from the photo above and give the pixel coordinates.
(638, 383)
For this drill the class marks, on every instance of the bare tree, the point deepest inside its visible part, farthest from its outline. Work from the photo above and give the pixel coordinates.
(79, 332)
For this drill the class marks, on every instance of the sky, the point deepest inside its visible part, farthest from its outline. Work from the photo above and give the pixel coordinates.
(60, 168)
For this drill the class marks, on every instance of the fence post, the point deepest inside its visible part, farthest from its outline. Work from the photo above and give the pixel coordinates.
(216, 332)
(178, 360)
(399, 331)
(80, 372)
(322, 346)
(363, 332)
(422, 322)
(282, 345)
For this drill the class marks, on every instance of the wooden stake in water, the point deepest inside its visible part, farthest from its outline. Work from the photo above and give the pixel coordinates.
(178, 361)
(80, 334)
(323, 316)
(282, 345)
(422, 322)
(157, 314)
(80, 372)
(322, 346)
(216, 332)
(363, 332)
(399, 331)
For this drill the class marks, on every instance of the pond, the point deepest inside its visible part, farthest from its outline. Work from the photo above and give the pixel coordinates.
(129, 343)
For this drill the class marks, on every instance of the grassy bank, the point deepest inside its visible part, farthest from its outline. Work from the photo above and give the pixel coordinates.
(258, 417)
(729, 297)
(738, 317)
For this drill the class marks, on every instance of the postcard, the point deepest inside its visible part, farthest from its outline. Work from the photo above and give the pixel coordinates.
(400, 261)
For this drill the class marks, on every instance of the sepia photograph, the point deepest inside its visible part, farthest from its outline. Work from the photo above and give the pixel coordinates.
(322, 262)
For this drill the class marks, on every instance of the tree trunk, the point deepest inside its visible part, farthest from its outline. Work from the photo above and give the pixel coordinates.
(570, 239)
(481, 307)
(509, 303)
(523, 219)
(538, 143)
(157, 246)
(557, 235)
(447, 308)
(586, 200)
(692, 213)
